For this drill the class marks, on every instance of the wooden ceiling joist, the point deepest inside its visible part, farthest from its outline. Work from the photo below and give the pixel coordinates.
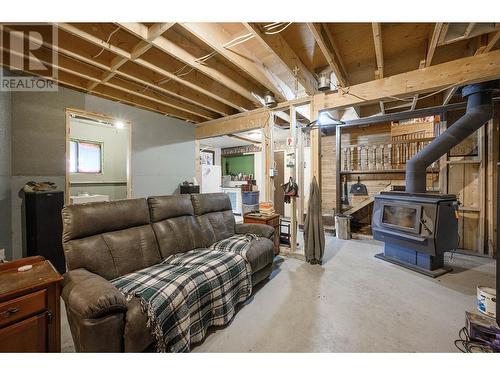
(172, 88)
(379, 53)
(79, 81)
(329, 50)
(277, 45)
(233, 82)
(94, 75)
(433, 43)
(215, 37)
(227, 98)
(123, 92)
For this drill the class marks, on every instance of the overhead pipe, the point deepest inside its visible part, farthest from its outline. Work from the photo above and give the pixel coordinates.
(479, 111)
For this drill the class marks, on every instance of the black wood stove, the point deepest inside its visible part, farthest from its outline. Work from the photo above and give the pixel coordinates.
(419, 227)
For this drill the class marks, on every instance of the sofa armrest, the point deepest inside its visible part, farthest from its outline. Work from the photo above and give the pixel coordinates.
(261, 230)
(91, 296)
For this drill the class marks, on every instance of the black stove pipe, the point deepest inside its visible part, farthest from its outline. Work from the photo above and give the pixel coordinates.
(479, 111)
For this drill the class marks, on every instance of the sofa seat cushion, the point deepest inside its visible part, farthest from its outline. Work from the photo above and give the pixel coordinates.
(259, 252)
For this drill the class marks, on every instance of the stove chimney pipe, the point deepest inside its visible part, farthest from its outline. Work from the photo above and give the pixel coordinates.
(479, 111)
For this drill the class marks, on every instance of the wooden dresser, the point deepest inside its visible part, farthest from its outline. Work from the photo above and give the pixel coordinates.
(272, 220)
(30, 307)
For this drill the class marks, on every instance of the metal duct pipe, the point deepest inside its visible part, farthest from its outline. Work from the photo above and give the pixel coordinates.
(479, 111)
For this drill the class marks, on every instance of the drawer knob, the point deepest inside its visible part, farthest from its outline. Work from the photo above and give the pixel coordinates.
(10, 311)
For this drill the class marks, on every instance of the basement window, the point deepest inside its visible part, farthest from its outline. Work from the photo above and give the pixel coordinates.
(85, 157)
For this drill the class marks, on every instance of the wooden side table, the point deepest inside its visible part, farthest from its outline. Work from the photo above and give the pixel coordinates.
(272, 220)
(30, 318)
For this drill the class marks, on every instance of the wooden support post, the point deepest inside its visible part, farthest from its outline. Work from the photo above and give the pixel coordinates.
(338, 182)
(293, 174)
(267, 159)
(299, 152)
(197, 163)
(491, 186)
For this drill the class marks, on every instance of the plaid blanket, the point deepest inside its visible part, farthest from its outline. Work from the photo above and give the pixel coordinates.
(238, 243)
(187, 293)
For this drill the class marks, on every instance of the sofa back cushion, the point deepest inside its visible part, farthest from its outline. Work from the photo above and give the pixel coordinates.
(215, 216)
(176, 228)
(109, 238)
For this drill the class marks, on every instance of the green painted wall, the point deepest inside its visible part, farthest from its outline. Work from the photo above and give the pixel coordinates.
(238, 164)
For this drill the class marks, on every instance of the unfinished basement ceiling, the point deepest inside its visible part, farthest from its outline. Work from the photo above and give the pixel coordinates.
(203, 71)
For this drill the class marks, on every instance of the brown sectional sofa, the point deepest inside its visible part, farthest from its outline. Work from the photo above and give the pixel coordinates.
(106, 240)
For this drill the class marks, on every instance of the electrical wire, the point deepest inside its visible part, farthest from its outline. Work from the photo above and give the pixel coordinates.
(466, 345)
(107, 42)
(279, 31)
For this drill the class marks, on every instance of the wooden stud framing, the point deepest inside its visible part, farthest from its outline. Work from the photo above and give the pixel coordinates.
(328, 48)
(179, 53)
(277, 45)
(228, 99)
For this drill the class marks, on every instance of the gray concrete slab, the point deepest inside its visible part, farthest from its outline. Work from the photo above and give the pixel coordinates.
(352, 303)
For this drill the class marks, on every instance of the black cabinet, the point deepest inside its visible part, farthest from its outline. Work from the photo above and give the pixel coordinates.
(43, 220)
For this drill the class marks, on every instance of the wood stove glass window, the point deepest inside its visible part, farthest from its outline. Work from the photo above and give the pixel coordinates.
(400, 216)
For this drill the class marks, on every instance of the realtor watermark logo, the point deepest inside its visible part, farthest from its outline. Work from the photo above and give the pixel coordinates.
(29, 57)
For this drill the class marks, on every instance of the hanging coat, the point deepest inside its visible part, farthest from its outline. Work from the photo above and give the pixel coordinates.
(314, 234)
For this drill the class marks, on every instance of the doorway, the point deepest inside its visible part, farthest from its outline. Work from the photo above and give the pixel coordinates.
(98, 156)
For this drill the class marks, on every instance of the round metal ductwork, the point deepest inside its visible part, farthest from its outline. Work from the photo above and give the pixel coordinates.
(324, 82)
(270, 100)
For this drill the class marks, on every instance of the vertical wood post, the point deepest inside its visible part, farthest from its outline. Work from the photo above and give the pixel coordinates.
(338, 182)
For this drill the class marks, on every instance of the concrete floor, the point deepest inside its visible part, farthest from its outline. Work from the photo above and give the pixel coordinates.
(352, 303)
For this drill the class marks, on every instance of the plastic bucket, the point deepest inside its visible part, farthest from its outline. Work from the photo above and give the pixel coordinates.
(486, 300)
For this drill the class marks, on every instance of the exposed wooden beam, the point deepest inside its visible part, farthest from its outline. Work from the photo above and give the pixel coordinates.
(492, 42)
(467, 70)
(468, 29)
(173, 88)
(158, 29)
(95, 77)
(473, 69)
(278, 46)
(328, 48)
(444, 32)
(123, 90)
(235, 83)
(244, 139)
(214, 36)
(241, 122)
(379, 53)
(228, 98)
(433, 43)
